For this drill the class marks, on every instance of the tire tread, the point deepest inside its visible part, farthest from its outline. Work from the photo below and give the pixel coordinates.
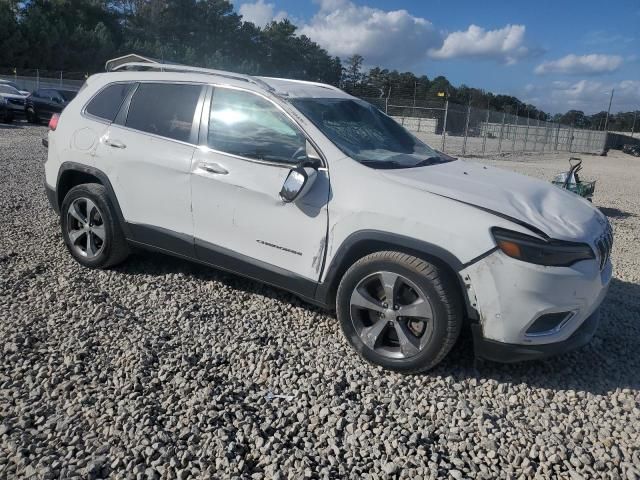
(441, 280)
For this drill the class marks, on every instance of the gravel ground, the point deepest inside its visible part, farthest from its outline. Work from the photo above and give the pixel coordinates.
(164, 369)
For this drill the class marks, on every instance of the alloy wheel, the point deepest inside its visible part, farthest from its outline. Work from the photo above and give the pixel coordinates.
(391, 315)
(85, 228)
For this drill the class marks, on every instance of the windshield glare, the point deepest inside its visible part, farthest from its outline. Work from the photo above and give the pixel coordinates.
(364, 133)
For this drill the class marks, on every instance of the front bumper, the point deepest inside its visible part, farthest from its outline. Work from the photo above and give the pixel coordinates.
(509, 352)
(511, 296)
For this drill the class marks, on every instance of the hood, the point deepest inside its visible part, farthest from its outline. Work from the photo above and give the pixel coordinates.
(11, 95)
(555, 212)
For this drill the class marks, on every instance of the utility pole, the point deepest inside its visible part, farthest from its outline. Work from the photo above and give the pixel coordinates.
(606, 122)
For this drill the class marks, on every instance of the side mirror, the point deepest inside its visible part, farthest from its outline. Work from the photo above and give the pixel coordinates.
(297, 183)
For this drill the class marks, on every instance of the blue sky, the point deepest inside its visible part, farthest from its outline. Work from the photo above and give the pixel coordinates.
(555, 54)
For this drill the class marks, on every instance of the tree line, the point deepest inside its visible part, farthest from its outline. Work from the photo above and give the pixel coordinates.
(80, 35)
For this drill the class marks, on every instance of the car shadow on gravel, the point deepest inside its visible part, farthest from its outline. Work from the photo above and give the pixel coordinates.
(151, 263)
(610, 361)
(10, 126)
(616, 213)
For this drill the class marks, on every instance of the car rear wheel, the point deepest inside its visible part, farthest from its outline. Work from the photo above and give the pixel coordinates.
(90, 228)
(399, 311)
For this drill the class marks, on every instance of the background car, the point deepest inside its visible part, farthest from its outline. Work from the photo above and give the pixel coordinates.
(15, 101)
(14, 85)
(43, 103)
(5, 113)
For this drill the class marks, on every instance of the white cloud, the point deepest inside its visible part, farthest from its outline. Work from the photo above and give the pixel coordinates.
(587, 95)
(581, 64)
(261, 13)
(393, 39)
(506, 44)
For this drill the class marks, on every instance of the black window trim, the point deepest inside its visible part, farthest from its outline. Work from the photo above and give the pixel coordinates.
(200, 127)
(204, 129)
(95, 118)
(123, 112)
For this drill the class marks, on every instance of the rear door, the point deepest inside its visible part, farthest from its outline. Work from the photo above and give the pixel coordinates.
(147, 155)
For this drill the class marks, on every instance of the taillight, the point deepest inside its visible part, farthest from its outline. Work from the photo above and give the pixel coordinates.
(53, 123)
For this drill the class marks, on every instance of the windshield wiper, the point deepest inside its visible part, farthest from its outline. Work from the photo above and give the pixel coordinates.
(384, 164)
(429, 161)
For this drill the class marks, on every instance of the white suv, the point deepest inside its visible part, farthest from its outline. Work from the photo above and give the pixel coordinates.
(304, 187)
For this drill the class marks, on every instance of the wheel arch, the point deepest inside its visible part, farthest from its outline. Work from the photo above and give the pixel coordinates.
(72, 174)
(365, 242)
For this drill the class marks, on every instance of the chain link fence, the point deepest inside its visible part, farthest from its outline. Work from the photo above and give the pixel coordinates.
(447, 126)
(36, 79)
(466, 130)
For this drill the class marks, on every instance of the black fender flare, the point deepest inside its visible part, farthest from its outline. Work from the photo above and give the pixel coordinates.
(104, 180)
(363, 242)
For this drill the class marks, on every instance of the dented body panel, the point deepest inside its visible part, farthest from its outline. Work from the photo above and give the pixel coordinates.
(446, 211)
(510, 295)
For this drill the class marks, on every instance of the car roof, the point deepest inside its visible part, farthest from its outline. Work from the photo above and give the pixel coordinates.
(177, 73)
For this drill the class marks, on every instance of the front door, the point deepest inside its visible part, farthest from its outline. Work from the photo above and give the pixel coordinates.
(239, 218)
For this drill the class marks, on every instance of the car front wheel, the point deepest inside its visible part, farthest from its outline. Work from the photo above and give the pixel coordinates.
(399, 311)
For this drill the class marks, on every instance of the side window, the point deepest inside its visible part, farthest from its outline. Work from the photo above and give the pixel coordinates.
(164, 109)
(247, 125)
(107, 103)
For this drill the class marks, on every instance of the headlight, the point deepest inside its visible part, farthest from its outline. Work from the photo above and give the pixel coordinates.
(3, 101)
(552, 253)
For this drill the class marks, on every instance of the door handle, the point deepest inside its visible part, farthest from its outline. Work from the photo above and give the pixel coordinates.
(114, 143)
(213, 167)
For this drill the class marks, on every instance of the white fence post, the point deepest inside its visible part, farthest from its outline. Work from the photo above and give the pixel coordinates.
(444, 126)
(504, 114)
(466, 129)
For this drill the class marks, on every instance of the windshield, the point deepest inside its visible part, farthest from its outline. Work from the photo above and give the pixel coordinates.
(8, 89)
(366, 134)
(68, 95)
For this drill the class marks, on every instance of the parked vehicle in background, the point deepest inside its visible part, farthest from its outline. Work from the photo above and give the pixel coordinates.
(43, 103)
(15, 101)
(304, 187)
(631, 149)
(14, 85)
(6, 116)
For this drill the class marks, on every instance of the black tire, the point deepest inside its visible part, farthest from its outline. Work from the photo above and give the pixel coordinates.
(114, 248)
(434, 283)
(32, 116)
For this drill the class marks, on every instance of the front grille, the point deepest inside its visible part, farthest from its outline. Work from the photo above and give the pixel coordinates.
(604, 244)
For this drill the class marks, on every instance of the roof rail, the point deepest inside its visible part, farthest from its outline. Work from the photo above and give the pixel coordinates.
(304, 82)
(165, 67)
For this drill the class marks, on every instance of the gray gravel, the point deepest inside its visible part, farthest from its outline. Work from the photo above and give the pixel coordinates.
(164, 369)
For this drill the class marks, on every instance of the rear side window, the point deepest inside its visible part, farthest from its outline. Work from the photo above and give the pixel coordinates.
(164, 109)
(106, 104)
